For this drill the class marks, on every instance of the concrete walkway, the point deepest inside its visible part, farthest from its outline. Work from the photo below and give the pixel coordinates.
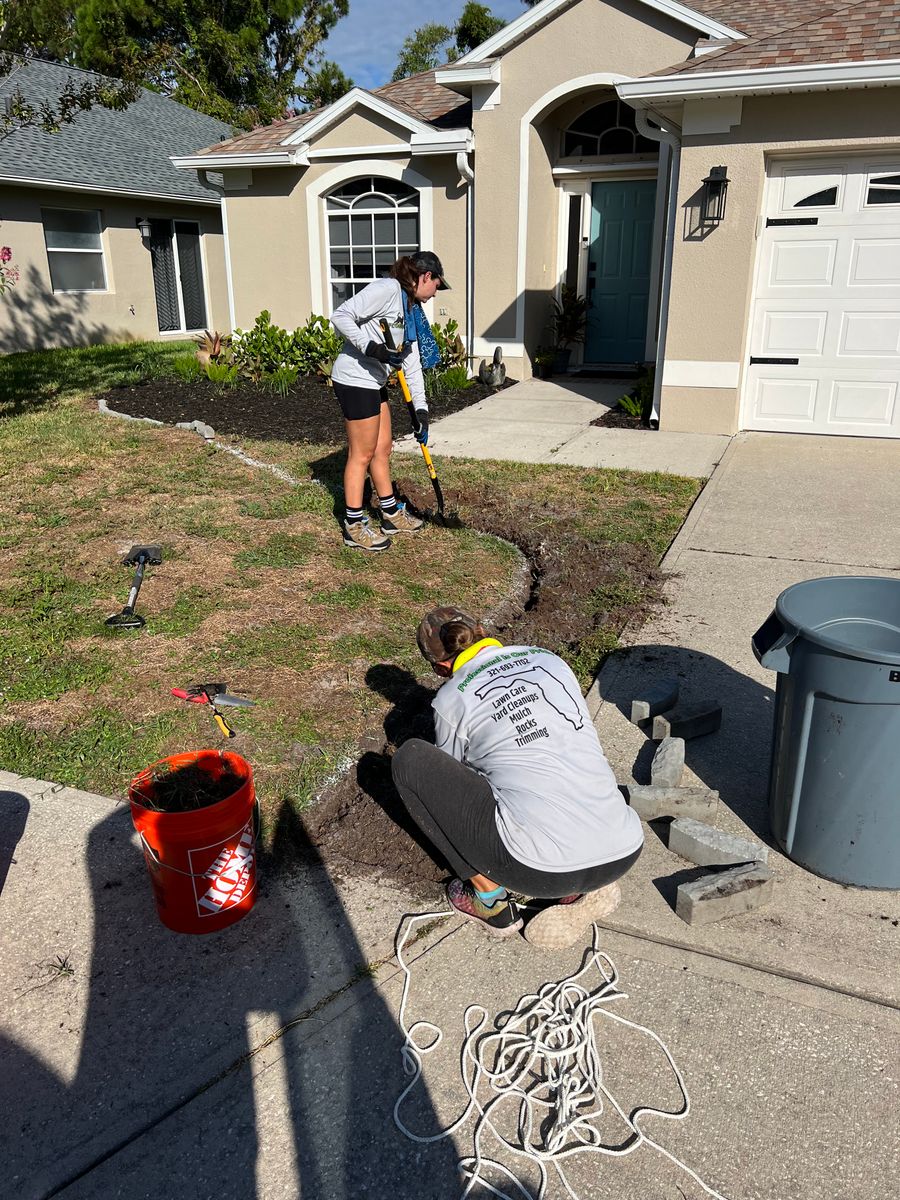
(263, 1062)
(550, 422)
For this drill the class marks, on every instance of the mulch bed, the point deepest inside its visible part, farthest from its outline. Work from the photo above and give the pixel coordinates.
(359, 825)
(308, 413)
(617, 418)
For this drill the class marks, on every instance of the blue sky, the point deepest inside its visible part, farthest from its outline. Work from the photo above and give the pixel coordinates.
(366, 43)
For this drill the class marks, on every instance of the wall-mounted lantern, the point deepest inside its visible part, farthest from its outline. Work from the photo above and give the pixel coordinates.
(715, 191)
(145, 228)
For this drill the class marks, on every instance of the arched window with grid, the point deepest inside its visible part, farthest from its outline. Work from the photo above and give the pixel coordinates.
(371, 222)
(607, 128)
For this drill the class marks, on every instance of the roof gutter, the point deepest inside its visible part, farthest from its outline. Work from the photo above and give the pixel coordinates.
(295, 157)
(60, 186)
(690, 85)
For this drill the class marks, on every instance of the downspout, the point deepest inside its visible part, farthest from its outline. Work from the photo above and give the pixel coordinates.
(659, 133)
(229, 285)
(467, 180)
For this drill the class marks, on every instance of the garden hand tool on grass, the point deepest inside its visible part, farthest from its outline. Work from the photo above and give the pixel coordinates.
(451, 520)
(215, 695)
(137, 557)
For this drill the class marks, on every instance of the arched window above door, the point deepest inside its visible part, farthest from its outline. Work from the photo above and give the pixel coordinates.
(371, 222)
(607, 128)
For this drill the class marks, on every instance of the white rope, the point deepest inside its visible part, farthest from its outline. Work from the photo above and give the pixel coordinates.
(543, 1064)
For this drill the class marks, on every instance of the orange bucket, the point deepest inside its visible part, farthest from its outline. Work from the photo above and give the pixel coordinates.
(202, 862)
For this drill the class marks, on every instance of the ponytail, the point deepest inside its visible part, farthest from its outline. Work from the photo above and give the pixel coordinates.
(456, 636)
(404, 271)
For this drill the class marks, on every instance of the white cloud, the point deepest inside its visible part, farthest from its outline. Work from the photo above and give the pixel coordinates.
(366, 43)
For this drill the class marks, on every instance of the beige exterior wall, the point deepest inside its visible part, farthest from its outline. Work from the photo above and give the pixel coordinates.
(712, 277)
(588, 40)
(32, 315)
(277, 234)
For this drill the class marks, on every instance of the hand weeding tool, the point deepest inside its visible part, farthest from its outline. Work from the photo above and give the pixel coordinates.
(450, 520)
(215, 695)
(137, 557)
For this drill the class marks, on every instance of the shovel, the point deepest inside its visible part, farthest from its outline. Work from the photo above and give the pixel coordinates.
(448, 520)
(137, 557)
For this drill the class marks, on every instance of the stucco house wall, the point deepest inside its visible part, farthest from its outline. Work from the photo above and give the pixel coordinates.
(713, 277)
(32, 315)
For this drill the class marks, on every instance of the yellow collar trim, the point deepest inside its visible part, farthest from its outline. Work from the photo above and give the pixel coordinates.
(470, 651)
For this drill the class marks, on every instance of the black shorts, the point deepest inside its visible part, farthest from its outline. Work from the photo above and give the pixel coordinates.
(358, 403)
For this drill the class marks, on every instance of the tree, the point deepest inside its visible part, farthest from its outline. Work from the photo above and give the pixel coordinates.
(324, 85)
(432, 45)
(43, 28)
(237, 62)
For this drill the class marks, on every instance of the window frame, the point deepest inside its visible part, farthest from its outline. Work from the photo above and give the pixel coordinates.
(409, 206)
(101, 250)
(872, 177)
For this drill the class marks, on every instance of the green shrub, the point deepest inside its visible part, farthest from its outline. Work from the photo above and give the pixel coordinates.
(639, 401)
(442, 383)
(221, 374)
(266, 348)
(281, 381)
(451, 346)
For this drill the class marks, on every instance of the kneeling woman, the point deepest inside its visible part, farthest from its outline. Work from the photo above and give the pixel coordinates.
(517, 793)
(360, 374)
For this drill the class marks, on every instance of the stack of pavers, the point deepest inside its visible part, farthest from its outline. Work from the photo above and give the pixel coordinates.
(740, 879)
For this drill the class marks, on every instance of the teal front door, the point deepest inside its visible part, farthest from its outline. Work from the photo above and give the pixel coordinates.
(618, 284)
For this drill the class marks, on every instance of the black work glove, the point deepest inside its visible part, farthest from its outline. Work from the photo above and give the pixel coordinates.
(421, 434)
(390, 358)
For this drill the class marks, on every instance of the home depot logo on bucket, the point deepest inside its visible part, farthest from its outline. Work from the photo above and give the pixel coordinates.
(229, 877)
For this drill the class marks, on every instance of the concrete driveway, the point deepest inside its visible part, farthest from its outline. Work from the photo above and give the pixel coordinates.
(265, 1061)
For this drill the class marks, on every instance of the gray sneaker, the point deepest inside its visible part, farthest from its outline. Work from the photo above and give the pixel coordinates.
(400, 521)
(361, 536)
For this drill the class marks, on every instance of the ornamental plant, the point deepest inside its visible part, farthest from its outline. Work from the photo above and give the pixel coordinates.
(9, 272)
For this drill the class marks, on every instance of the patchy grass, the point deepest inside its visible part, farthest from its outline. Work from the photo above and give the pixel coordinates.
(255, 587)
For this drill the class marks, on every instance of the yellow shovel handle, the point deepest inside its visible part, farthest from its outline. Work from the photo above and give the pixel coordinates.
(404, 387)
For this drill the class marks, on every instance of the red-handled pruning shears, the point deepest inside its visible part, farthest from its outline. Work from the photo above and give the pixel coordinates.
(215, 695)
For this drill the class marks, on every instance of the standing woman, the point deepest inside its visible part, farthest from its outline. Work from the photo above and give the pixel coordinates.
(360, 376)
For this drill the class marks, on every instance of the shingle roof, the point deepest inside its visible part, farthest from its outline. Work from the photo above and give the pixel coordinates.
(756, 18)
(418, 96)
(863, 31)
(102, 148)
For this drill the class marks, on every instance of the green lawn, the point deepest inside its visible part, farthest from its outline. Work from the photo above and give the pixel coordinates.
(255, 587)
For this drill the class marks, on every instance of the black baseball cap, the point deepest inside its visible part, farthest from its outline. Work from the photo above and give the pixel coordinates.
(427, 260)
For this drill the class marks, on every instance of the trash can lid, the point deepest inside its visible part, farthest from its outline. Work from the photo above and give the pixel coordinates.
(855, 615)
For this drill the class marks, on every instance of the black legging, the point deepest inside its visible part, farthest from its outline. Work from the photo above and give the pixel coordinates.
(455, 809)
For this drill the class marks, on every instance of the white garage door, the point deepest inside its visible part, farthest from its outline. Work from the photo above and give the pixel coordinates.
(825, 330)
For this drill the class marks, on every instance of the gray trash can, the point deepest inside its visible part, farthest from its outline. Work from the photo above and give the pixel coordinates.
(834, 787)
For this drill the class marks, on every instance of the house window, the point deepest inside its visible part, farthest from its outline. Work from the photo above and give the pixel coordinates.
(606, 128)
(74, 250)
(177, 265)
(827, 198)
(884, 189)
(371, 223)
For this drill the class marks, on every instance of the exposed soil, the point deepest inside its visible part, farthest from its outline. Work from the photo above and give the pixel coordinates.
(308, 413)
(188, 788)
(359, 824)
(617, 418)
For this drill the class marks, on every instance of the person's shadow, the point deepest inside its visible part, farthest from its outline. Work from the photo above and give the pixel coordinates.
(734, 760)
(168, 1095)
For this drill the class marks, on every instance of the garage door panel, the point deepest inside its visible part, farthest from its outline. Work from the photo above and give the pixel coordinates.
(863, 402)
(870, 333)
(827, 301)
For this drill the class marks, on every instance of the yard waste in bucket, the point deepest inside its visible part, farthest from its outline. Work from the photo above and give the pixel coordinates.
(201, 860)
(834, 795)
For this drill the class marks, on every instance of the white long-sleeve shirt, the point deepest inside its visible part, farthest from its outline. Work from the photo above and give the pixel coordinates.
(515, 714)
(358, 320)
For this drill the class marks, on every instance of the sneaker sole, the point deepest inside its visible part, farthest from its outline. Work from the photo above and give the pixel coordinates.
(356, 546)
(493, 930)
(394, 532)
(561, 926)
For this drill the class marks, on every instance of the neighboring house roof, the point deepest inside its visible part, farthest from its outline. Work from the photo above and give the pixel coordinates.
(103, 149)
(864, 31)
(418, 96)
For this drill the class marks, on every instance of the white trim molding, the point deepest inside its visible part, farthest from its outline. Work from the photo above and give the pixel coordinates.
(483, 347)
(261, 158)
(481, 80)
(355, 98)
(644, 93)
(543, 12)
(334, 177)
(96, 189)
(685, 373)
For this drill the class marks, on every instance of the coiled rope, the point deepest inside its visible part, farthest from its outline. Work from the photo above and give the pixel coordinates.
(542, 1062)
